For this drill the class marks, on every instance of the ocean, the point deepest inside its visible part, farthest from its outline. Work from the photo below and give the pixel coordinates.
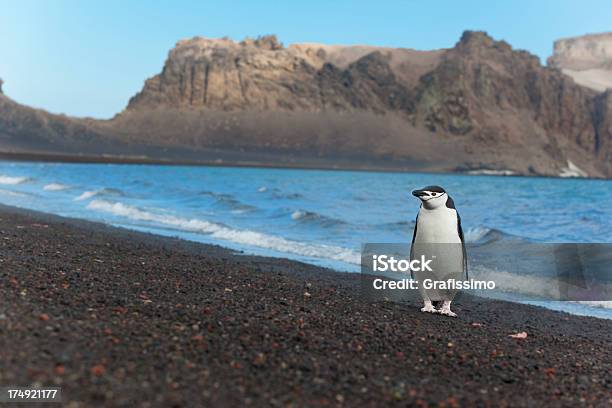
(321, 217)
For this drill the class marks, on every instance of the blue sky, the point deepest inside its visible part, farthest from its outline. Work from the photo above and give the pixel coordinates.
(88, 58)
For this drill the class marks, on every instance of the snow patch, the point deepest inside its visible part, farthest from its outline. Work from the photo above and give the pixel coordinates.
(572, 171)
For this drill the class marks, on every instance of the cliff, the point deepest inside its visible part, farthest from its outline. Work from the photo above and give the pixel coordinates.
(479, 106)
(587, 59)
(263, 75)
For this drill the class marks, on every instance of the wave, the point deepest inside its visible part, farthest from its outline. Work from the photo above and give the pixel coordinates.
(535, 286)
(484, 235)
(222, 232)
(398, 225)
(55, 187)
(303, 216)
(603, 304)
(287, 196)
(228, 200)
(476, 234)
(14, 193)
(103, 192)
(10, 180)
(277, 193)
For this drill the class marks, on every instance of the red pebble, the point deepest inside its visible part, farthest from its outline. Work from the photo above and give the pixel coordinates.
(98, 370)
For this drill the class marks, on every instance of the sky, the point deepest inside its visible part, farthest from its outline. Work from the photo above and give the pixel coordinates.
(87, 58)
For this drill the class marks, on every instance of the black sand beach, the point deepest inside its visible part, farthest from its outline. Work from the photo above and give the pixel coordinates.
(119, 318)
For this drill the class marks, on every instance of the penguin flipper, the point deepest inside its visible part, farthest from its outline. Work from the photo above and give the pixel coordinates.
(416, 224)
(460, 231)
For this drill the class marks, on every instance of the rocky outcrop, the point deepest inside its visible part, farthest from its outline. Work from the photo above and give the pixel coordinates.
(587, 59)
(502, 97)
(480, 105)
(263, 75)
(584, 52)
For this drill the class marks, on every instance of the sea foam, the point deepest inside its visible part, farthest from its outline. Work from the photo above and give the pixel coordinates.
(10, 180)
(55, 187)
(222, 232)
(100, 192)
(13, 193)
(535, 286)
(476, 234)
(86, 195)
(603, 304)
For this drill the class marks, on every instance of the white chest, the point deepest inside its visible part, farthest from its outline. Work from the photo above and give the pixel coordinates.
(439, 225)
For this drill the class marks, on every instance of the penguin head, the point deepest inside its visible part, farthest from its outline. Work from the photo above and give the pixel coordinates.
(431, 196)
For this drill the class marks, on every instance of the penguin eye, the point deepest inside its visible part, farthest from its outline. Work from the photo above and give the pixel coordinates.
(434, 194)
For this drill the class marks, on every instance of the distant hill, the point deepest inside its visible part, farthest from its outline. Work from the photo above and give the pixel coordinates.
(479, 106)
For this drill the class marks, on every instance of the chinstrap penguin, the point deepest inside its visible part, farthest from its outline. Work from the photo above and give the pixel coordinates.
(438, 222)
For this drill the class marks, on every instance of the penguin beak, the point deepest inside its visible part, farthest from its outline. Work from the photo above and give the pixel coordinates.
(419, 193)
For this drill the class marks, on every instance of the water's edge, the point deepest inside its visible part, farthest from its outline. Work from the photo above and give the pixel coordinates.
(317, 217)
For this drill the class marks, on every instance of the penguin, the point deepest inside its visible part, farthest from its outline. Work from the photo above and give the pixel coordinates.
(438, 222)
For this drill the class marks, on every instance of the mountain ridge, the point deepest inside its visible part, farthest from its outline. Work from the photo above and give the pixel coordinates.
(479, 105)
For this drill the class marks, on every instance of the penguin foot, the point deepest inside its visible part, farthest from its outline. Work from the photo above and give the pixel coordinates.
(428, 309)
(447, 312)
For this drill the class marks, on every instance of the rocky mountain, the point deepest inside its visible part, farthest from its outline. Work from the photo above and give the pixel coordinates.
(587, 59)
(480, 106)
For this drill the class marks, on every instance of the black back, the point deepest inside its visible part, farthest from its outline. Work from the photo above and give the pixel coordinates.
(460, 232)
(450, 203)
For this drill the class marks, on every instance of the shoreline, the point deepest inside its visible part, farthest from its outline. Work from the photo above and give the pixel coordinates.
(327, 165)
(312, 164)
(123, 318)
